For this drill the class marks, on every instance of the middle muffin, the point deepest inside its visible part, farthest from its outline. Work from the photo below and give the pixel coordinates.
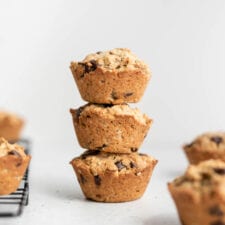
(110, 128)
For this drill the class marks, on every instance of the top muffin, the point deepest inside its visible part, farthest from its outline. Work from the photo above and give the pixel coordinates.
(210, 145)
(10, 126)
(111, 77)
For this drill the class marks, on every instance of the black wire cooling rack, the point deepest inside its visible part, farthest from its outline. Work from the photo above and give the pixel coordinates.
(13, 204)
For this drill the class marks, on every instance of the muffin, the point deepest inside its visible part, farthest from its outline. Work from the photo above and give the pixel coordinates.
(10, 126)
(111, 177)
(111, 77)
(13, 165)
(199, 194)
(209, 145)
(110, 128)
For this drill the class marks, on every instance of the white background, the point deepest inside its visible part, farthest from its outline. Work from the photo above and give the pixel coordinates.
(182, 41)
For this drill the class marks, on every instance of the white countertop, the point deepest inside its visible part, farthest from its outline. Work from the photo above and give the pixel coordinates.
(56, 198)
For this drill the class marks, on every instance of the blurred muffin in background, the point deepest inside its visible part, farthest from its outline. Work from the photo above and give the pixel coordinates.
(10, 126)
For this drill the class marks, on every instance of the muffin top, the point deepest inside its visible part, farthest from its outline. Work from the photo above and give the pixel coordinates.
(98, 162)
(118, 59)
(210, 141)
(110, 111)
(11, 149)
(206, 177)
(9, 119)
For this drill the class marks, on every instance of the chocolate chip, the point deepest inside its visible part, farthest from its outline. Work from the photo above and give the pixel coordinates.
(14, 152)
(217, 139)
(120, 165)
(19, 163)
(215, 211)
(89, 153)
(132, 165)
(134, 149)
(110, 53)
(142, 154)
(82, 179)
(79, 111)
(114, 95)
(94, 65)
(205, 176)
(218, 222)
(97, 180)
(101, 147)
(205, 179)
(128, 94)
(88, 66)
(99, 52)
(220, 171)
(118, 67)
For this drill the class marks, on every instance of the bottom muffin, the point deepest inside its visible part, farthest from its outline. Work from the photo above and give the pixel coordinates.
(199, 194)
(13, 165)
(111, 177)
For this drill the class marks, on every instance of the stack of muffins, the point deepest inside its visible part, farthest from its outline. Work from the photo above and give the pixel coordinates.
(199, 194)
(13, 159)
(111, 170)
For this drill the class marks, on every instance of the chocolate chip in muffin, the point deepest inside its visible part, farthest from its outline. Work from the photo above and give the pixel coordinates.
(114, 95)
(128, 94)
(88, 66)
(14, 152)
(120, 165)
(97, 180)
(101, 147)
(93, 66)
(217, 139)
(205, 178)
(132, 165)
(89, 153)
(82, 179)
(79, 111)
(220, 171)
(215, 211)
(218, 222)
(137, 173)
(133, 149)
(99, 52)
(142, 154)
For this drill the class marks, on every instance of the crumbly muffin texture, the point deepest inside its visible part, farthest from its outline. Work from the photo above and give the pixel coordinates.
(118, 163)
(11, 149)
(111, 177)
(116, 59)
(203, 176)
(199, 194)
(13, 164)
(110, 128)
(111, 77)
(210, 145)
(10, 126)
